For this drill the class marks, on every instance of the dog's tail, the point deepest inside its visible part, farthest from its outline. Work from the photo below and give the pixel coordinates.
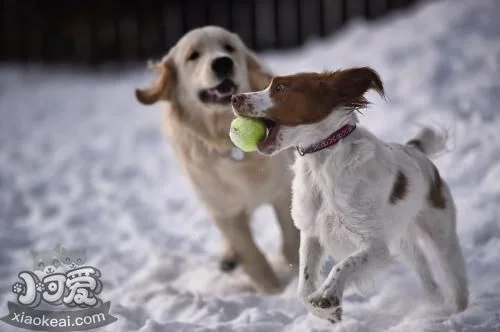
(429, 141)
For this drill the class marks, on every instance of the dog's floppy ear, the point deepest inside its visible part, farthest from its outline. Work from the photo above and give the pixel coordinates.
(162, 88)
(348, 86)
(258, 74)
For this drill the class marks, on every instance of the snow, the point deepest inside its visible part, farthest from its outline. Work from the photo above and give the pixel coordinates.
(82, 163)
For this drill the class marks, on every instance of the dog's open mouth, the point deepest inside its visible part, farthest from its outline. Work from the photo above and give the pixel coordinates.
(273, 128)
(220, 94)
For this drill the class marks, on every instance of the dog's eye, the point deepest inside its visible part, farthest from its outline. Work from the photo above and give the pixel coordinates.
(229, 48)
(194, 55)
(279, 87)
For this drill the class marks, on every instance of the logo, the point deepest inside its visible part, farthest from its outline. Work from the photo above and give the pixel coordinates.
(59, 278)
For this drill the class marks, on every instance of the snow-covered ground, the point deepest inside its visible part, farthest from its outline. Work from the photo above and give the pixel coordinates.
(82, 163)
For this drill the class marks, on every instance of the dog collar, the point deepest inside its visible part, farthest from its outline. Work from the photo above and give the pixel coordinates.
(329, 141)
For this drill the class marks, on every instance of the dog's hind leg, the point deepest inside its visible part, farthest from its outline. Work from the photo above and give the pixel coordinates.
(290, 234)
(414, 256)
(440, 230)
(456, 275)
(237, 232)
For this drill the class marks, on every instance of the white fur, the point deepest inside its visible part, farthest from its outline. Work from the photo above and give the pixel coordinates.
(262, 99)
(257, 103)
(193, 76)
(342, 208)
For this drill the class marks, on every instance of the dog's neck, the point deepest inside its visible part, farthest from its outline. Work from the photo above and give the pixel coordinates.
(310, 134)
(331, 140)
(339, 155)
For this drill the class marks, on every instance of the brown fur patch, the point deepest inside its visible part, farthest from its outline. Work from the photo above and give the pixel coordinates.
(162, 88)
(399, 189)
(310, 97)
(416, 143)
(435, 196)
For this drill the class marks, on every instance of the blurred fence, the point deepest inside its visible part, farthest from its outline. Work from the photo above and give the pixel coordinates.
(94, 32)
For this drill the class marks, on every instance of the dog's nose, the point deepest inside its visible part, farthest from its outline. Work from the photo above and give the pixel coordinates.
(237, 100)
(222, 66)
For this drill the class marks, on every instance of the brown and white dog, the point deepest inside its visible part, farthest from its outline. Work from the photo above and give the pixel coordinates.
(197, 78)
(356, 197)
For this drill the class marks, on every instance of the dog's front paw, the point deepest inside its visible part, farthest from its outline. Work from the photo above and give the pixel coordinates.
(326, 307)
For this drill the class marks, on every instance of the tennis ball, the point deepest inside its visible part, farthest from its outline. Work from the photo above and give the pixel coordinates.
(246, 133)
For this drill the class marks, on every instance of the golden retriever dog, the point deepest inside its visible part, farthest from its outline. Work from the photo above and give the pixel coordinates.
(196, 79)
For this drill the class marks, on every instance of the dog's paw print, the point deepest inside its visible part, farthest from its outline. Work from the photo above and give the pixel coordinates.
(17, 288)
(40, 287)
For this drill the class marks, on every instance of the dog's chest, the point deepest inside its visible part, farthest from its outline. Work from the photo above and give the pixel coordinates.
(321, 206)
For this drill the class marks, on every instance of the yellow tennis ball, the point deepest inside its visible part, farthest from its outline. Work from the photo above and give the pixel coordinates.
(246, 133)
